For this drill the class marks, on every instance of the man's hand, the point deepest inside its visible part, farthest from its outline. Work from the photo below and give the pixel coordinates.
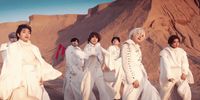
(136, 84)
(183, 76)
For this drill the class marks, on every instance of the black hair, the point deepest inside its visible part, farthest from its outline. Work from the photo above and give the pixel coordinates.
(94, 34)
(74, 39)
(172, 38)
(117, 38)
(20, 27)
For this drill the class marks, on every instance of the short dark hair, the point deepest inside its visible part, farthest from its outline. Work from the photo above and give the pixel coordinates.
(22, 26)
(94, 34)
(117, 38)
(74, 39)
(172, 38)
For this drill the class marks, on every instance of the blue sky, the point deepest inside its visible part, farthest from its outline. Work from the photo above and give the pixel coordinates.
(20, 10)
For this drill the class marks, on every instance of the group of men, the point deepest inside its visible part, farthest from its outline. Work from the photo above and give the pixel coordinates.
(135, 79)
(83, 72)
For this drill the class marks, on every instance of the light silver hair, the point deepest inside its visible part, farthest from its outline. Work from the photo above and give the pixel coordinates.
(136, 31)
(12, 35)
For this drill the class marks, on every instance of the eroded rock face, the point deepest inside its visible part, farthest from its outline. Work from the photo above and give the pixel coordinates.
(159, 18)
(176, 17)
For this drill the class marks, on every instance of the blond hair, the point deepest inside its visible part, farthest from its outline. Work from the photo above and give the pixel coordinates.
(136, 31)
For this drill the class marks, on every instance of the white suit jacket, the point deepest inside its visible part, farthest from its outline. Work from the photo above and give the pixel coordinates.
(131, 61)
(74, 59)
(95, 50)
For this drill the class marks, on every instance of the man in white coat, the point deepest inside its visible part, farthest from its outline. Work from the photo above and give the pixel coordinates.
(24, 70)
(174, 70)
(12, 38)
(114, 63)
(73, 77)
(136, 77)
(93, 74)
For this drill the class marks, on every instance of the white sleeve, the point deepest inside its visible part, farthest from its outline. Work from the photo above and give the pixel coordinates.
(46, 70)
(68, 59)
(164, 63)
(109, 61)
(129, 73)
(104, 51)
(185, 64)
(3, 47)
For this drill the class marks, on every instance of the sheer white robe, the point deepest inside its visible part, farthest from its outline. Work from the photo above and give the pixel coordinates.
(74, 74)
(114, 62)
(3, 50)
(174, 62)
(134, 70)
(23, 70)
(93, 73)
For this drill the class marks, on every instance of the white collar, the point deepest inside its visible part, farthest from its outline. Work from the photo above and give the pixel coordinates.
(129, 41)
(25, 43)
(28, 43)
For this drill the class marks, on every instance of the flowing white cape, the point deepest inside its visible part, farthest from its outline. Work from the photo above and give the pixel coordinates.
(11, 74)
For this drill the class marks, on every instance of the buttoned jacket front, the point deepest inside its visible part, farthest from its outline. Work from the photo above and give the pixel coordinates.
(131, 61)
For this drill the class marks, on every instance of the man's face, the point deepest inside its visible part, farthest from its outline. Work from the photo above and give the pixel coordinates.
(75, 43)
(175, 43)
(116, 42)
(139, 38)
(94, 40)
(25, 35)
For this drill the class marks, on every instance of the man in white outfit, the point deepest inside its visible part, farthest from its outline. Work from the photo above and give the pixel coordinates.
(24, 70)
(73, 77)
(114, 63)
(3, 47)
(174, 70)
(93, 74)
(136, 77)
(12, 38)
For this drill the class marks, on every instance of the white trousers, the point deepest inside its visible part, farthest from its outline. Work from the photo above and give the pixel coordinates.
(131, 93)
(116, 85)
(72, 86)
(183, 90)
(71, 94)
(88, 83)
